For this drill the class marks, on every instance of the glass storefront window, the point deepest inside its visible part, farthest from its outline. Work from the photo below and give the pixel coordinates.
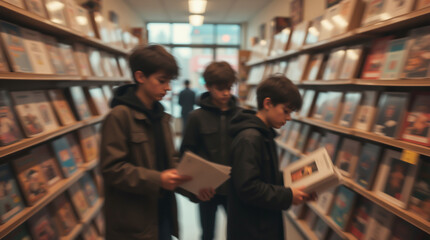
(159, 33)
(228, 34)
(184, 33)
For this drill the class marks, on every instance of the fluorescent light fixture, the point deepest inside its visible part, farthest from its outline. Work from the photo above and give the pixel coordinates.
(196, 20)
(197, 6)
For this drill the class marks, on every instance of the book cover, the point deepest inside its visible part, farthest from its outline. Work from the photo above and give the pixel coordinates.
(97, 101)
(308, 100)
(114, 65)
(64, 155)
(54, 54)
(419, 202)
(319, 106)
(71, 14)
(90, 233)
(373, 12)
(56, 11)
(417, 63)
(9, 130)
(375, 59)
(395, 8)
(75, 148)
(349, 108)
(30, 178)
(36, 52)
(97, 131)
(422, 4)
(284, 159)
(342, 207)
(43, 106)
(294, 133)
(78, 200)
(299, 35)
(61, 106)
(334, 64)
(367, 165)
(328, 25)
(18, 3)
(80, 103)
(123, 66)
(48, 164)
(417, 122)
(395, 178)
(347, 157)
(330, 143)
(395, 59)
(108, 93)
(82, 60)
(41, 226)
(391, 109)
(314, 67)
(321, 229)
(4, 67)
(89, 188)
(10, 197)
(20, 233)
(380, 223)
(30, 118)
(84, 23)
(62, 212)
(366, 111)
(280, 42)
(89, 143)
(304, 134)
(310, 218)
(325, 200)
(330, 108)
(95, 62)
(351, 63)
(360, 218)
(15, 49)
(36, 7)
(402, 229)
(66, 52)
(345, 20)
(313, 142)
(314, 30)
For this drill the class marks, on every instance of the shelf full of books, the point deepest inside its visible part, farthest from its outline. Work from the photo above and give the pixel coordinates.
(365, 84)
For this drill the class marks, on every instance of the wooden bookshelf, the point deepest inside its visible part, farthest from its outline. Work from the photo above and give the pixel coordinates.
(288, 148)
(74, 233)
(370, 82)
(301, 225)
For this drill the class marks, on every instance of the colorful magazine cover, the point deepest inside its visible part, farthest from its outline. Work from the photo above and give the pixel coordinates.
(314, 67)
(419, 202)
(36, 6)
(391, 110)
(9, 130)
(304, 133)
(10, 197)
(352, 62)
(42, 227)
(347, 157)
(56, 14)
(80, 103)
(330, 142)
(416, 128)
(367, 165)
(30, 118)
(64, 155)
(36, 51)
(4, 67)
(334, 64)
(417, 63)
(360, 218)
(78, 200)
(349, 108)
(64, 216)
(313, 142)
(75, 148)
(375, 59)
(66, 52)
(89, 143)
(43, 106)
(330, 108)
(61, 106)
(395, 59)
(343, 203)
(308, 99)
(89, 188)
(366, 111)
(48, 164)
(54, 54)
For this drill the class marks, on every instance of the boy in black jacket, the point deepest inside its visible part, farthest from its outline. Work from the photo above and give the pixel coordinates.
(206, 133)
(257, 193)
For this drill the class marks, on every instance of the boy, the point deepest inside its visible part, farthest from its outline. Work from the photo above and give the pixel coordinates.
(206, 133)
(137, 153)
(257, 193)
(187, 99)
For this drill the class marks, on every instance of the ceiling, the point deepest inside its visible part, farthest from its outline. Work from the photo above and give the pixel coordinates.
(217, 11)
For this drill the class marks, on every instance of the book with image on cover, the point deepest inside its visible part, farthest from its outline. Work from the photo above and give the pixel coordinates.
(416, 127)
(313, 71)
(348, 16)
(328, 26)
(347, 157)
(313, 142)
(80, 103)
(54, 54)
(75, 148)
(395, 178)
(422, 4)
(342, 206)
(299, 35)
(123, 66)
(366, 111)
(314, 30)
(315, 172)
(10, 197)
(417, 63)
(19, 233)
(334, 64)
(330, 143)
(82, 60)
(321, 229)
(391, 109)
(36, 6)
(97, 101)
(48, 164)
(280, 42)
(4, 67)
(9, 130)
(419, 202)
(375, 59)
(71, 14)
(114, 65)
(64, 156)
(367, 165)
(349, 108)
(380, 223)
(330, 108)
(78, 199)
(30, 178)
(27, 112)
(107, 67)
(373, 12)
(62, 212)
(308, 100)
(15, 48)
(44, 107)
(66, 52)
(304, 134)
(394, 8)
(325, 200)
(41, 226)
(61, 106)
(352, 62)
(95, 61)
(18, 3)
(89, 143)
(89, 188)
(83, 20)
(56, 11)
(36, 51)
(294, 133)
(360, 218)
(317, 110)
(395, 59)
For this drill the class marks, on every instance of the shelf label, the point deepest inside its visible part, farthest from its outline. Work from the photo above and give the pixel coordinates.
(410, 156)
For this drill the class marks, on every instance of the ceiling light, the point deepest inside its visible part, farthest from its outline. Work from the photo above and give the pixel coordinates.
(197, 6)
(196, 20)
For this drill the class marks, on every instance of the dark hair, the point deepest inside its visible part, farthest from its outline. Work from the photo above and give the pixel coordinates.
(151, 59)
(219, 74)
(280, 90)
(187, 82)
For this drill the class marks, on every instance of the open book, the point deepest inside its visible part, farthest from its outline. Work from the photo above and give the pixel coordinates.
(204, 174)
(315, 172)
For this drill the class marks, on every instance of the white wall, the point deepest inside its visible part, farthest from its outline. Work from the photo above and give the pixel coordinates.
(281, 8)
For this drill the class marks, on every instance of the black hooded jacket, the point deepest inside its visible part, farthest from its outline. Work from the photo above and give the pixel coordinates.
(206, 132)
(257, 192)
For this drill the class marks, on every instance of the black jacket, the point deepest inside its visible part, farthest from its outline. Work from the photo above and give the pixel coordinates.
(257, 193)
(187, 99)
(206, 133)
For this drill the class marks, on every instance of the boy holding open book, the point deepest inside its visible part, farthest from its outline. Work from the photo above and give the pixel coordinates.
(257, 193)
